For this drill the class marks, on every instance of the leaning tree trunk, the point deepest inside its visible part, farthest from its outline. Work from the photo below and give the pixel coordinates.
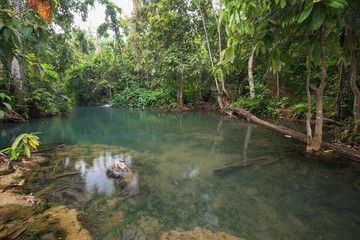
(354, 87)
(316, 143)
(308, 78)
(251, 75)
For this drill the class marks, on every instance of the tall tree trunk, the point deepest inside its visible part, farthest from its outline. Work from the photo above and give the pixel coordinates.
(316, 145)
(354, 87)
(344, 95)
(17, 71)
(219, 40)
(308, 78)
(180, 89)
(208, 45)
(251, 75)
(277, 85)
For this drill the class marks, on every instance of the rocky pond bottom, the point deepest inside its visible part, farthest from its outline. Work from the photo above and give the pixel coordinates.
(178, 196)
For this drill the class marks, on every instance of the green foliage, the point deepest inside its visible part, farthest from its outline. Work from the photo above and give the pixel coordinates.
(23, 144)
(78, 85)
(17, 26)
(300, 109)
(43, 101)
(5, 104)
(263, 106)
(140, 98)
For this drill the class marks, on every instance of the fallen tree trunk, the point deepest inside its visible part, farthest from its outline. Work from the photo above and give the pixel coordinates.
(345, 152)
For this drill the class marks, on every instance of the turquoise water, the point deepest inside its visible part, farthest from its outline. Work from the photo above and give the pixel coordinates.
(291, 196)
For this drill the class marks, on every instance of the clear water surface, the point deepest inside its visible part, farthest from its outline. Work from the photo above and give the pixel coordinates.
(287, 195)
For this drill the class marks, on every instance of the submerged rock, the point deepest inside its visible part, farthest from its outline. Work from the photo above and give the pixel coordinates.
(67, 219)
(198, 233)
(8, 179)
(38, 159)
(5, 167)
(7, 198)
(14, 220)
(120, 170)
(55, 223)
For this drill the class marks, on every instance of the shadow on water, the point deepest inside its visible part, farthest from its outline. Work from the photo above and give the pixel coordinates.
(282, 194)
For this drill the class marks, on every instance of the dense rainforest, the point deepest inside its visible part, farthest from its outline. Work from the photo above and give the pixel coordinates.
(283, 58)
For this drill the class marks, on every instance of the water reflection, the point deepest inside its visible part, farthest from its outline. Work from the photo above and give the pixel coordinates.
(191, 173)
(246, 143)
(95, 176)
(132, 187)
(209, 218)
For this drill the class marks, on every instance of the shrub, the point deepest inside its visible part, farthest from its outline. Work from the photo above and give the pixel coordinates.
(140, 98)
(263, 106)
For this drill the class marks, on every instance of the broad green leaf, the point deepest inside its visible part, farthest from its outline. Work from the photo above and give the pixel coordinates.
(282, 3)
(13, 154)
(7, 106)
(232, 55)
(17, 23)
(305, 14)
(343, 2)
(318, 17)
(334, 4)
(7, 33)
(27, 150)
(17, 140)
(30, 15)
(2, 114)
(1, 26)
(27, 32)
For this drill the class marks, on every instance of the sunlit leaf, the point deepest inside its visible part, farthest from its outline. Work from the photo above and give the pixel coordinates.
(17, 140)
(32, 144)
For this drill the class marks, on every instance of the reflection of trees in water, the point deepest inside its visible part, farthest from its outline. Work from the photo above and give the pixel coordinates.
(246, 143)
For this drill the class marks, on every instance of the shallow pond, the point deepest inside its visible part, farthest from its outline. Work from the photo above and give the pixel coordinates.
(292, 196)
